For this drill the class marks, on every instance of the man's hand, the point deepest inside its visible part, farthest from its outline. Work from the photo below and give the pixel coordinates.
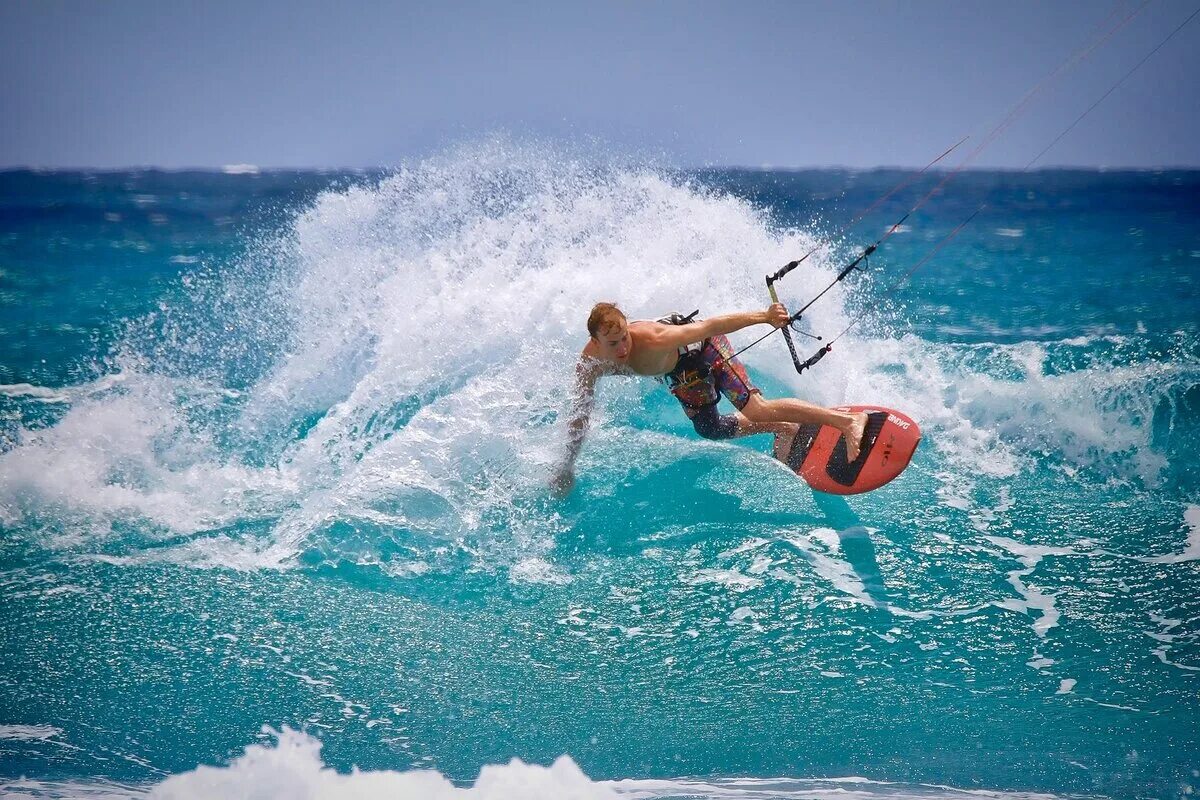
(777, 315)
(563, 481)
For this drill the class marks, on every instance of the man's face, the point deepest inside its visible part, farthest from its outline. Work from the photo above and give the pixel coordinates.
(614, 342)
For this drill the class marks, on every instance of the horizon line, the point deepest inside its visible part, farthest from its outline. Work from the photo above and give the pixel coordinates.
(234, 170)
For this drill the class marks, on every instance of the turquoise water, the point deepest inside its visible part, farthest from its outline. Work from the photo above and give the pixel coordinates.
(274, 461)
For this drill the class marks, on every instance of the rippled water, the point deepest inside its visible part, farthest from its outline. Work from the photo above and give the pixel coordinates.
(275, 453)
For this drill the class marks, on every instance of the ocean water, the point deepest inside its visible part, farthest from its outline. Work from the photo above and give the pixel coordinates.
(274, 519)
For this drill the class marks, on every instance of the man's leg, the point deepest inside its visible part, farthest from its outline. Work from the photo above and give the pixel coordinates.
(784, 433)
(733, 381)
(711, 424)
(788, 409)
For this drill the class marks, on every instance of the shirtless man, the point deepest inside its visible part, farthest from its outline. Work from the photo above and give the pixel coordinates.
(697, 379)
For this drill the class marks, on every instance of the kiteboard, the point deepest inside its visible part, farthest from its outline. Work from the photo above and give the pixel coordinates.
(818, 453)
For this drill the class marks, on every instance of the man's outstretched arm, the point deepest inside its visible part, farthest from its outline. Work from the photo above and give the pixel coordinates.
(587, 371)
(680, 335)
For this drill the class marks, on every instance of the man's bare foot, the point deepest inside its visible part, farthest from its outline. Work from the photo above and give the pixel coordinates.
(783, 442)
(853, 434)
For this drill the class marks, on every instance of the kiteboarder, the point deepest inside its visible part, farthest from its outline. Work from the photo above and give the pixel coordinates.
(697, 362)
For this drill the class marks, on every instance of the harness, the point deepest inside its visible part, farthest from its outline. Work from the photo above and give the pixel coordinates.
(691, 368)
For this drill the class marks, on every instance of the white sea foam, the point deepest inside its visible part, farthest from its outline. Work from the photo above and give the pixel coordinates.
(40, 393)
(29, 732)
(1032, 599)
(293, 768)
(731, 579)
(128, 453)
(993, 412)
(1191, 549)
(820, 547)
(1167, 640)
(68, 790)
(537, 570)
(449, 297)
(1040, 662)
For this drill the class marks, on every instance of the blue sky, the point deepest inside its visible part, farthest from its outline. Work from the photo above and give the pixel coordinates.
(786, 84)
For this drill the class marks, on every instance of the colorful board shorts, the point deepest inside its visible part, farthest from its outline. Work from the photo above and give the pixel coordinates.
(699, 380)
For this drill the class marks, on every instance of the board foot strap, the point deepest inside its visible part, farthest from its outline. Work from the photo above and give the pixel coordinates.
(846, 472)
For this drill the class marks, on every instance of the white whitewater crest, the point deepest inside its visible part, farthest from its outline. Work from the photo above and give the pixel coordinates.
(428, 325)
(409, 344)
(293, 768)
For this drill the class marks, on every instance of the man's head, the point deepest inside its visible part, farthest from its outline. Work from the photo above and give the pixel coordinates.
(610, 330)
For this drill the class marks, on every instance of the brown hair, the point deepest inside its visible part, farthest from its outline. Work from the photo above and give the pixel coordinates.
(604, 315)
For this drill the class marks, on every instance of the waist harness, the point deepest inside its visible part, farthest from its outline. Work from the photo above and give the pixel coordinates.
(691, 368)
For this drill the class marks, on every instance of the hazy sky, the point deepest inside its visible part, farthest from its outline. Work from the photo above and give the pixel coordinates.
(297, 83)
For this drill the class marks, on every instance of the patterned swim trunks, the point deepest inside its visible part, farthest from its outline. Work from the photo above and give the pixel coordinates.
(701, 377)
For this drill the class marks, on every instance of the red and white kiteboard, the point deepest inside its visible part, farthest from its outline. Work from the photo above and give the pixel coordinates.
(818, 453)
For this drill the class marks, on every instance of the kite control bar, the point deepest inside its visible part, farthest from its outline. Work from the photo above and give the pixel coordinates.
(794, 318)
